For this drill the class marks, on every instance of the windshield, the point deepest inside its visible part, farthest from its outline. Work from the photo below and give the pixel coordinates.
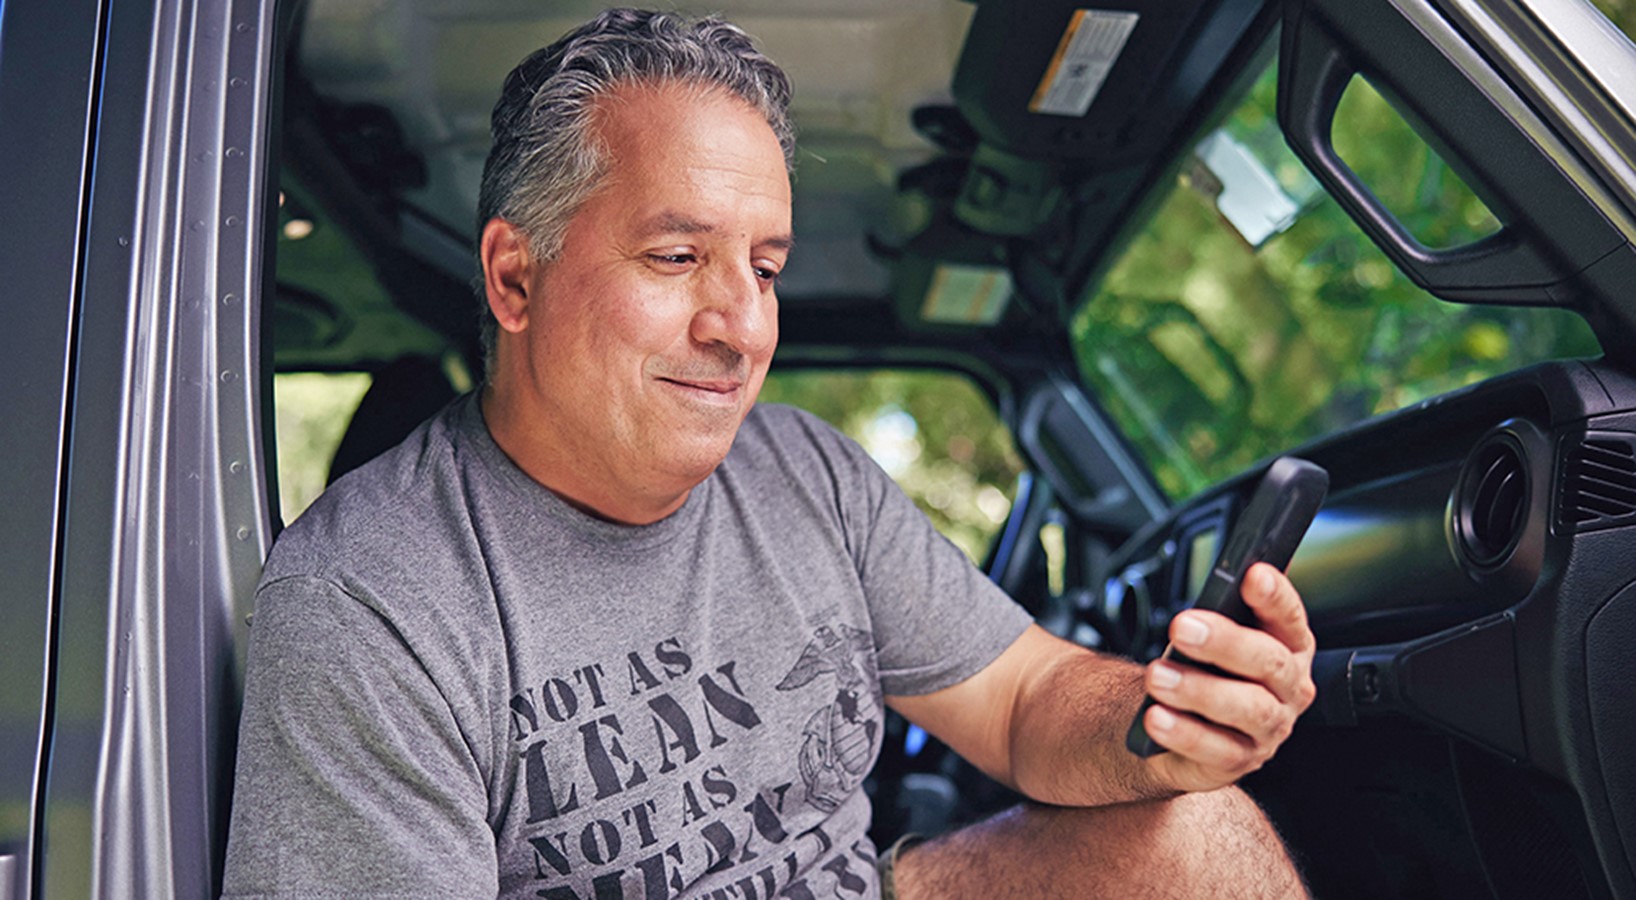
(1251, 314)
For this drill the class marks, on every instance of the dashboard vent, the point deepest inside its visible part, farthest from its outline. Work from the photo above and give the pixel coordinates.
(1598, 483)
(1492, 502)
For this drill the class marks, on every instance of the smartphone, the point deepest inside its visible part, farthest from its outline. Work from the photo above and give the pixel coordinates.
(1268, 530)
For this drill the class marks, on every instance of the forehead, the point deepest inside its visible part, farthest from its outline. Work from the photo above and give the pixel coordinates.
(680, 131)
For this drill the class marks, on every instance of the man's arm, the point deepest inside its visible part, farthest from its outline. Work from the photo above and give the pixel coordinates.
(1049, 717)
(353, 776)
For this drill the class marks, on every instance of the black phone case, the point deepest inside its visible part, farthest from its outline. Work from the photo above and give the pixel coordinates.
(1268, 530)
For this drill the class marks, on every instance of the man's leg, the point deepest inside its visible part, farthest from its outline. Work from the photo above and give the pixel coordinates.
(1198, 845)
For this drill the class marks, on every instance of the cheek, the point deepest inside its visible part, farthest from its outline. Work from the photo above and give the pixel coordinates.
(653, 320)
(613, 320)
(644, 321)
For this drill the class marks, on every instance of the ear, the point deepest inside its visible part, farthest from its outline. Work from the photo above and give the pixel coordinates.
(507, 270)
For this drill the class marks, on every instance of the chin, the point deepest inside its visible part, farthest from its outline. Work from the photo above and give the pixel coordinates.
(696, 459)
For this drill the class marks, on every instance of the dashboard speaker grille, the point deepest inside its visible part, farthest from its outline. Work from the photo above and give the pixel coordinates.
(1598, 483)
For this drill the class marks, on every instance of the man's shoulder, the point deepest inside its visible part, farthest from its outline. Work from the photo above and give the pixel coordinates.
(376, 511)
(796, 446)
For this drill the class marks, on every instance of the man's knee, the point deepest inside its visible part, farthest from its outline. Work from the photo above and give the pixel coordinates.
(1218, 843)
(1226, 809)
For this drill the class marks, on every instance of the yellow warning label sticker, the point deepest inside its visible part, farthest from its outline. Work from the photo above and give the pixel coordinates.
(1090, 46)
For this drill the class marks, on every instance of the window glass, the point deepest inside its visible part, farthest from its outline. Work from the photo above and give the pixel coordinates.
(1221, 336)
(934, 432)
(1404, 173)
(331, 312)
(313, 409)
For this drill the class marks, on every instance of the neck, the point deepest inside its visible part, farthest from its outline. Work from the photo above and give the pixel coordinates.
(576, 478)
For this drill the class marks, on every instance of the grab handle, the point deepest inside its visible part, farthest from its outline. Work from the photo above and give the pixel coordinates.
(1327, 44)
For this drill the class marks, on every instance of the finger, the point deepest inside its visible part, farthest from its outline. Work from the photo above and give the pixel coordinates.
(1224, 753)
(1248, 653)
(1278, 605)
(1243, 706)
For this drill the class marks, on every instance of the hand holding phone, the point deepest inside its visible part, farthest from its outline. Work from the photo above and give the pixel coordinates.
(1268, 530)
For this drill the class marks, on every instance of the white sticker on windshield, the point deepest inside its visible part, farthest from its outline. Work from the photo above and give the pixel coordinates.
(1085, 55)
(966, 295)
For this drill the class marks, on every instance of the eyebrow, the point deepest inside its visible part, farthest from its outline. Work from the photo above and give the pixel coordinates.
(677, 223)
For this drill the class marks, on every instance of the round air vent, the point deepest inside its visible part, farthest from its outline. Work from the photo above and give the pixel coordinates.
(1491, 501)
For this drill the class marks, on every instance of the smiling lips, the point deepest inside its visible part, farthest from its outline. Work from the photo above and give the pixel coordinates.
(714, 386)
(716, 390)
(716, 379)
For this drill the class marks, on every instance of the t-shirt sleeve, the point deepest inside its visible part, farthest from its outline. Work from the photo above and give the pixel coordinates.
(937, 619)
(353, 779)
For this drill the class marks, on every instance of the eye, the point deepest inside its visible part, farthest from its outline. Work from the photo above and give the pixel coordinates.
(766, 273)
(672, 261)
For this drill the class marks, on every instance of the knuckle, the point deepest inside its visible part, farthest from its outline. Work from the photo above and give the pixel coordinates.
(1269, 719)
(1274, 667)
(1295, 615)
(1305, 693)
(1242, 759)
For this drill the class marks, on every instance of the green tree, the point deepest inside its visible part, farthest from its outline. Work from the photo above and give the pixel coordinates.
(1212, 354)
(934, 432)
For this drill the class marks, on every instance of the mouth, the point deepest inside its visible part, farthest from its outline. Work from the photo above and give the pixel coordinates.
(715, 391)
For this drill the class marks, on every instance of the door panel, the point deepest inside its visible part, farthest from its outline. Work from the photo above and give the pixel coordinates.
(164, 513)
(47, 53)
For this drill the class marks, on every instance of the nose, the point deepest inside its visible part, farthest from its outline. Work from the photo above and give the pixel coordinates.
(738, 310)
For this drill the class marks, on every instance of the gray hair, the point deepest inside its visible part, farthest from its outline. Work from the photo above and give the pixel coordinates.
(545, 162)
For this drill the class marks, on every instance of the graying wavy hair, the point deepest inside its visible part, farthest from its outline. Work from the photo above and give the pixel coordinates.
(545, 161)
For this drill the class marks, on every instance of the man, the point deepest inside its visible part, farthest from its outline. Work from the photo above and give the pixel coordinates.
(605, 630)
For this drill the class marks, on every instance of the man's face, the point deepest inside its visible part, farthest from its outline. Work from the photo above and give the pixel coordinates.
(647, 340)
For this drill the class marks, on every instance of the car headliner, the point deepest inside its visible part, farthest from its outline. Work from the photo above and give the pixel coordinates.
(858, 69)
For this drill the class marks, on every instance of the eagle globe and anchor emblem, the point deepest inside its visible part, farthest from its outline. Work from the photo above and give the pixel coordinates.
(839, 739)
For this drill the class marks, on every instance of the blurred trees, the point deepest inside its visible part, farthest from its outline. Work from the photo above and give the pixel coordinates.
(934, 432)
(1212, 354)
(312, 410)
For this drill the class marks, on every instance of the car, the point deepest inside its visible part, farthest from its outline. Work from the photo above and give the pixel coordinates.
(1076, 276)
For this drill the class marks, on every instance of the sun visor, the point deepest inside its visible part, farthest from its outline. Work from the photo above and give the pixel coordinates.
(1052, 80)
(1050, 97)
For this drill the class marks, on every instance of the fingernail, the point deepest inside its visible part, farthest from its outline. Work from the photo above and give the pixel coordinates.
(1161, 719)
(1263, 583)
(1166, 676)
(1190, 630)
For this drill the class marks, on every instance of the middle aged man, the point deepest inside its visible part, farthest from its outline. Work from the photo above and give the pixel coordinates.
(605, 630)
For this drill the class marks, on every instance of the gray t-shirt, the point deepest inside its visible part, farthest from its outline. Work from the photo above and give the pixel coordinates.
(459, 685)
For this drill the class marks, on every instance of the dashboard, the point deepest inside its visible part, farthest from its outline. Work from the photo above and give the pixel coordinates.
(1472, 572)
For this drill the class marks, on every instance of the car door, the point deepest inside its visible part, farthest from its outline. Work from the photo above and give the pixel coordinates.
(44, 63)
(132, 191)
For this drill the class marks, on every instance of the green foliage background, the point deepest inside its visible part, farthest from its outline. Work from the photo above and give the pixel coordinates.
(961, 467)
(312, 410)
(1212, 354)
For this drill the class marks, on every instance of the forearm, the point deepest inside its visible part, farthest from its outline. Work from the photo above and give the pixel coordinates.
(1067, 735)
(1049, 717)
